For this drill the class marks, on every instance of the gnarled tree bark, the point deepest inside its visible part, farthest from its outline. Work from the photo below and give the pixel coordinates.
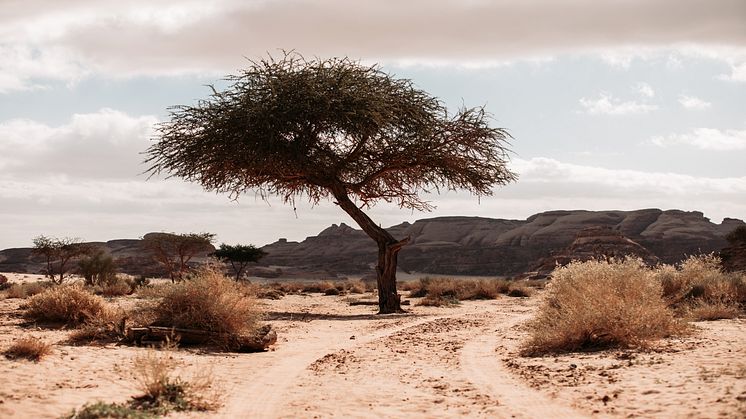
(388, 249)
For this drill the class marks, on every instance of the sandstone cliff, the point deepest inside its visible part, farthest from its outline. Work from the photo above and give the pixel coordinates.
(485, 246)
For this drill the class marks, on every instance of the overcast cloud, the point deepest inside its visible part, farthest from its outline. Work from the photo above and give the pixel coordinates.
(620, 104)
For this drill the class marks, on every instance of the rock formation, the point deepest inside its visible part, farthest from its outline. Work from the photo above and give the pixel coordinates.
(485, 246)
(596, 243)
(457, 245)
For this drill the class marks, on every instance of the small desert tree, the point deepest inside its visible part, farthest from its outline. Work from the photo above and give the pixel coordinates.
(332, 129)
(175, 251)
(98, 268)
(737, 236)
(239, 256)
(57, 253)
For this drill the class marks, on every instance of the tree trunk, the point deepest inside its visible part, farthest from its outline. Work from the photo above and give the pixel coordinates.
(388, 249)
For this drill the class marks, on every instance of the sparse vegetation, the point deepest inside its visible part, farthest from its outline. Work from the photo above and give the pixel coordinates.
(444, 291)
(162, 392)
(26, 289)
(58, 253)
(210, 302)
(600, 304)
(28, 347)
(700, 290)
(68, 304)
(175, 251)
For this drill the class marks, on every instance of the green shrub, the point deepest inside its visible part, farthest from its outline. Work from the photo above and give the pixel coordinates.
(600, 304)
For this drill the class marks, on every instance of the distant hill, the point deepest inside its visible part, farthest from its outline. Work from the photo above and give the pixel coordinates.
(455, 245)
(487, 246)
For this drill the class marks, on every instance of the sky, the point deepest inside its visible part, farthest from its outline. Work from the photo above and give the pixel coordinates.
(612, 105)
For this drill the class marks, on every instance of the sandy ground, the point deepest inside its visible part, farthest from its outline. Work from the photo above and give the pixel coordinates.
(337, 360)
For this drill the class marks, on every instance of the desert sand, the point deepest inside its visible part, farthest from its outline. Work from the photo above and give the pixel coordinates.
(337, 360)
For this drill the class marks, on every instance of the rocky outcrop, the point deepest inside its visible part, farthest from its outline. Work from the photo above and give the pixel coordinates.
(485, 246)
(595, 243)
(454, 245)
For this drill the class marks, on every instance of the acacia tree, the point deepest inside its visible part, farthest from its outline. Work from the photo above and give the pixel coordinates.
(332, 129)
(239, 256)
(57, 253)
(175, 251)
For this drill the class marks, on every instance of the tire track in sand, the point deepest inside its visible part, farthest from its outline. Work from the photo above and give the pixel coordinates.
(481, 363)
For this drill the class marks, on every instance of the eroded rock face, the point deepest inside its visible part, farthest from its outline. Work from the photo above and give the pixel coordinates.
(595, 243)
(458, 245)
(485, 246)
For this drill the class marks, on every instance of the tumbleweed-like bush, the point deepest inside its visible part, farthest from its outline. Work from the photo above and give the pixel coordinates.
(600, 304)
(210, 302)
(69, 304)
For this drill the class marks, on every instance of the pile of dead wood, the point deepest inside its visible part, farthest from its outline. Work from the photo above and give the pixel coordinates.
(154, 335)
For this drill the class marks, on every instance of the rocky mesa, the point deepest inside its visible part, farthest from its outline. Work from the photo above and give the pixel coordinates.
(460, 245)
(486, 246)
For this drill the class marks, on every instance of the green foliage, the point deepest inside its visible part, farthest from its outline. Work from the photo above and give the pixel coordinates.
(239, 256)
(100, 410)
(98, 269)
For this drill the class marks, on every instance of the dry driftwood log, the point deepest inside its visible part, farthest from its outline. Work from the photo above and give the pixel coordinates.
(259, 341)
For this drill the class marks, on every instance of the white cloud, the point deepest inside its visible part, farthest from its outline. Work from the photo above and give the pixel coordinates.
(104, 144)
(606, 104)
(136, 37)
(691, 102)
(705, 139)
(645, 90)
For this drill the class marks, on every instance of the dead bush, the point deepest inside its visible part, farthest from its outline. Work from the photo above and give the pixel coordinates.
(107, 327)
(463, 289)
(69, 304)
(28, 347)
(700, 290)
(209, 301)
(27, 289)
(600, 304)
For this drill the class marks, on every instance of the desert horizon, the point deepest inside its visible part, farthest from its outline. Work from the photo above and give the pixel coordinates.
(313, 209)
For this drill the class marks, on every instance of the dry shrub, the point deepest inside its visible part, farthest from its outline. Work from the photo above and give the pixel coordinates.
(69, 304)
(442, 291)
(209, 301)
(27, 289)
(700, 290)
(107, 327)
(153, 291)
(600, 304)
(116, 287)
(163, 391)
(28, 347)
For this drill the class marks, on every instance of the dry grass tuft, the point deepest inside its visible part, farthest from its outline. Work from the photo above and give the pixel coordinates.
(28, 347)
(209, 301)
(162, 391)
(445, 291)
(107, 327)
(26, 289)
(601, 304)
(700, 290)
(69, 304)
(154, 374)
